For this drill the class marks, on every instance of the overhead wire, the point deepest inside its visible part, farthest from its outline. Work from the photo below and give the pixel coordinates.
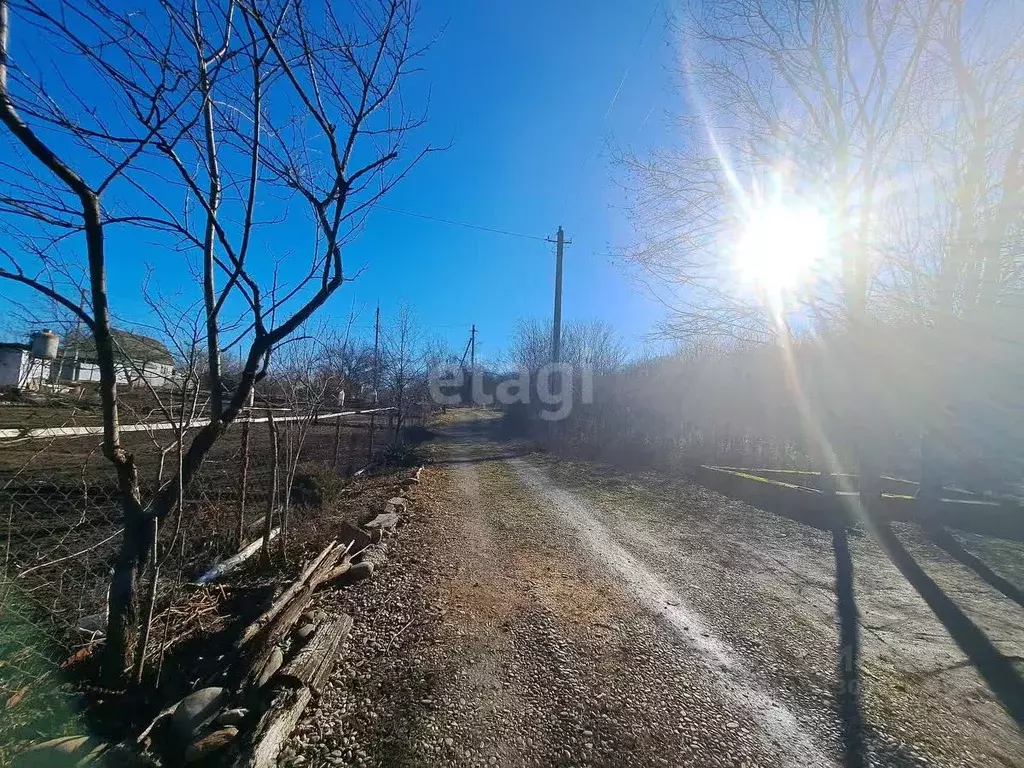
(586, 159)
(615, 95)
(467, 225)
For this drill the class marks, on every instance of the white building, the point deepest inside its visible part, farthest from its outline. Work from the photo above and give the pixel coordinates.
(138, 360)
(20, 369)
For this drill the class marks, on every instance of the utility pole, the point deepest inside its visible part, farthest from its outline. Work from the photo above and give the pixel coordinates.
(556, 326)
(467, 384)
(556, 330)
(376, 365)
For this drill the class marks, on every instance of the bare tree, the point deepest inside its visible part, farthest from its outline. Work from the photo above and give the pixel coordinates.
(809, 101)
(592, 345)
(204, 124)
(402, 363)
(306, 386)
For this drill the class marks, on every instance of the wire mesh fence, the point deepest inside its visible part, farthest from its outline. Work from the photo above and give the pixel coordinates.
(61, 529)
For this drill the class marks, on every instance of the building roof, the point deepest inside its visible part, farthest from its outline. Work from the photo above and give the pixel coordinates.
(13, 345)
(127, 345)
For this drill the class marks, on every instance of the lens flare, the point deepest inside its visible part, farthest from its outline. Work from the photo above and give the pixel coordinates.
(781, 247)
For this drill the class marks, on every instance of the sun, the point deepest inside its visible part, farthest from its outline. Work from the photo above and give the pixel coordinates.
(781, 247)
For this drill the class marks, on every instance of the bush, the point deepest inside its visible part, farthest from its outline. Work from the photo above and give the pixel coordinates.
(315, 486)
(398, 455)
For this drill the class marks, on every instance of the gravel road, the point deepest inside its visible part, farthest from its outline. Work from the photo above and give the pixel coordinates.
(530, 614)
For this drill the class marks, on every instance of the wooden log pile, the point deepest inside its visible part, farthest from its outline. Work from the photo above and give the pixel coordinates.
(284, 657)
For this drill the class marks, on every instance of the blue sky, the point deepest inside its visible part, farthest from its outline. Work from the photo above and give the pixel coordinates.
(529, 94)
(524, 90)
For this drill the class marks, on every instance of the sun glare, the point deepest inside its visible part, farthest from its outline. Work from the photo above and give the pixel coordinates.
(781, 246)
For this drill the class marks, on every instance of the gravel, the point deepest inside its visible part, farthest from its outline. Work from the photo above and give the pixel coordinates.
(492, 635)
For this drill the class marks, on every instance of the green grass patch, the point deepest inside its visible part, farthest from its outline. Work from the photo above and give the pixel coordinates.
(35, 696)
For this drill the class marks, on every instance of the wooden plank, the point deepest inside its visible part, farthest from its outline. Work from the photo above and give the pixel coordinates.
(286, 597)
(44, 432)
(275, 727)
(234, 561)
(286, 619)
(312, 665)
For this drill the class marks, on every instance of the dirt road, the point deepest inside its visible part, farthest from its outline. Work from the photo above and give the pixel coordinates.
(544, 612)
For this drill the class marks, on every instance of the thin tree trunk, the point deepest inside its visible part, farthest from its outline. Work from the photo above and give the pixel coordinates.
(337, 442)
(268, 521)
(240, 532)
(140, 652)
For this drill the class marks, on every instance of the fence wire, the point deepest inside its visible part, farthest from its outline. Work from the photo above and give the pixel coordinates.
(61, 529)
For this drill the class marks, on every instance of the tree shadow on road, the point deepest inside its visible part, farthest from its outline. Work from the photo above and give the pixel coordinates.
(996, 670)
(483, 459)
(947, 542)
(848, 653)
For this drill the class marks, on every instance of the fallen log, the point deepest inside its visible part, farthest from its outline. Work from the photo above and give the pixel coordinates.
(279, 626)
(275, 727)
(218, 570)
(311, 666)
(268, 616)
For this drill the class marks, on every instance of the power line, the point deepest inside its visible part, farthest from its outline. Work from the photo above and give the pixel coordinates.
(492, 230)
(615, 94)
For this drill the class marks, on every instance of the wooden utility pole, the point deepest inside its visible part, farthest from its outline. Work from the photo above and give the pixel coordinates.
(376, 365)
(556, 329)
(472, 349)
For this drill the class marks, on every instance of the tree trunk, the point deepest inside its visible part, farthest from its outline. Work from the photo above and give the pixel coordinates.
(151, 595)
(123, 617)
(240, 532)
(268, 521)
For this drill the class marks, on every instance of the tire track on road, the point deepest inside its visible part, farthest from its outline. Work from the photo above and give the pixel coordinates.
(780, 730)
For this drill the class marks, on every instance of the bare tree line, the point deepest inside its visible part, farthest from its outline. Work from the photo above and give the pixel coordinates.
(902, 121)
(196, 127)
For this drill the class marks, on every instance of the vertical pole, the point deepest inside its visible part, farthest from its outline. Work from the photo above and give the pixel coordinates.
(472, 362)
(246, 426)
(556, 331)
(268, 520)
(376, 358)
(337, 441)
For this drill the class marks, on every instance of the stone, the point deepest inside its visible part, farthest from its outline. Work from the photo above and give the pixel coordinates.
(354, 537)
(196, 710)
(66, 750)
(383, 520)
(303, 633)
(274, 663)
(232, 716)
(210, 743)
(357, 572)
(397, 504)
